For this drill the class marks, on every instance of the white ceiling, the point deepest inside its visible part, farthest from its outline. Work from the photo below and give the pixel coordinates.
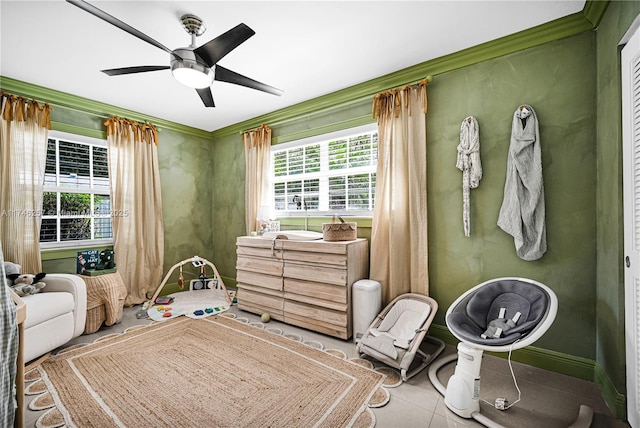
(306, 48)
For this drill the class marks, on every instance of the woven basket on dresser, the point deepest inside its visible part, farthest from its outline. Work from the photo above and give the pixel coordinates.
(339, 231)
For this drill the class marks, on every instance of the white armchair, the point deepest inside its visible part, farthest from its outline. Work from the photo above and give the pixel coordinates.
(55, 315)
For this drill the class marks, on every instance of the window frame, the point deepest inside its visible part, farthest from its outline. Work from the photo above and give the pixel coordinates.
(322, 139)
(84, 243)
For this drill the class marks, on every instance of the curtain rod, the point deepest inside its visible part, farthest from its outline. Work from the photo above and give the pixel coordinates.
(96, 113)
(59, 104)
(428, 79)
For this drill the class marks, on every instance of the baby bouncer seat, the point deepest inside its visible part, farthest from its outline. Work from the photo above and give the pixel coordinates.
(395, 335)
(499, 315)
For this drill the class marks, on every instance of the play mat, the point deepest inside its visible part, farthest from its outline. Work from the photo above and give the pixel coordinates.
(193, 304)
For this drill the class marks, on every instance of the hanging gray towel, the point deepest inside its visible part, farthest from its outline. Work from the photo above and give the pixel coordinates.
(468, 161)
(522, 214)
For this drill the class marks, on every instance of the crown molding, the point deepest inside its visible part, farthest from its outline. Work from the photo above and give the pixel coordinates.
(567, 26)
(85, 105)
(594, 11)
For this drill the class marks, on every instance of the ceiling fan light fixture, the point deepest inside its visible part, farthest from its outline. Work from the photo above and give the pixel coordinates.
(192, 74)
(192, 66)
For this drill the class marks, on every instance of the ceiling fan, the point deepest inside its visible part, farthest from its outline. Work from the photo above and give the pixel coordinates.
(196, 67)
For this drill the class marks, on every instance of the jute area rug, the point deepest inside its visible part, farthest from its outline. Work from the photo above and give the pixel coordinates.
(213, 372)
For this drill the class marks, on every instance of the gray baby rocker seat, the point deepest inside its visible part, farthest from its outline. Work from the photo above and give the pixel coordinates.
(500, 312)
(395, 335)
(499, 315)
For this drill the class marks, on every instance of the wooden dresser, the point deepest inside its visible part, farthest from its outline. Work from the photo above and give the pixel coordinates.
(305, 283)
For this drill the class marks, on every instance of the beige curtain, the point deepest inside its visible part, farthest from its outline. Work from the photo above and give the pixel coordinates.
(399, 231)
(23, 155)
(136, 203)
(257, 150)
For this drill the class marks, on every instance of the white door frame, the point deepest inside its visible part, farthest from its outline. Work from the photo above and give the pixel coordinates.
(631, 190)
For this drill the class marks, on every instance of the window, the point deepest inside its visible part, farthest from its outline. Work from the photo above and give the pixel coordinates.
(333, 173)
(76, 206)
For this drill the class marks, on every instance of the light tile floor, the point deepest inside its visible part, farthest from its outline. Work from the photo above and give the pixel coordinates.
(548, 399)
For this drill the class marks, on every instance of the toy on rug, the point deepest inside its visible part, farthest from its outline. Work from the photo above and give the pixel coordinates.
(26, 283)
(192, 304)
(107, 260)
(233, 296)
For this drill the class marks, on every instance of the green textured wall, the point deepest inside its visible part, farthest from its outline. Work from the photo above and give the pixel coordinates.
(558, 80)
(610, 348)
(228, 202)
(185, 165)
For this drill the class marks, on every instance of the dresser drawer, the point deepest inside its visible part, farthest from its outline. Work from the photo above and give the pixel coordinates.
(334, 323)
(271, 282)
(342, 332)
(320, 246)
(315, 273)
(254, 242)
(260, 303)
(266, 253)
(337, 294)
(312, 312)
(327, 304)
(338, 260)
(260, 265)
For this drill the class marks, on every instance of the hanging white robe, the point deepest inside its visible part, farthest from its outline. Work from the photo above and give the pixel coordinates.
(468, 161)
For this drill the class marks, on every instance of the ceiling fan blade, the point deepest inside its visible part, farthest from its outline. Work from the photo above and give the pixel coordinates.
(116, 22)
(131, 70)
(214, 50)
(225, 75)
(206, 96)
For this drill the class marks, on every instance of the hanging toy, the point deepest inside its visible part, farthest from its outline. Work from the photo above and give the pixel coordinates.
(181, 279)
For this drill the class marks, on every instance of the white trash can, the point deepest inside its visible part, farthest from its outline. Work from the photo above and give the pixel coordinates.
(366, 300)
